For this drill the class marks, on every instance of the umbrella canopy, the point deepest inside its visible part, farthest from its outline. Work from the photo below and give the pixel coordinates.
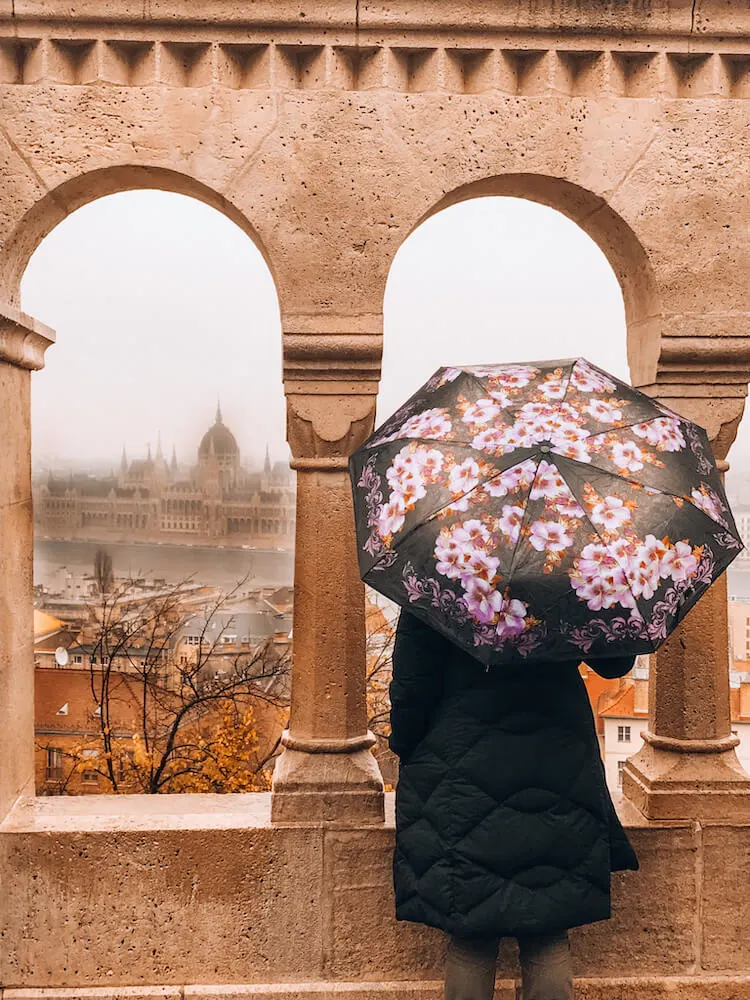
(541, 511)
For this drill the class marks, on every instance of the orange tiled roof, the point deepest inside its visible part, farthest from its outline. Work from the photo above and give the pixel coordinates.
(623, 707)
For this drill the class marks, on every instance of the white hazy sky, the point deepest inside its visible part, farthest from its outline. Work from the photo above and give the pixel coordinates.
(162, 305)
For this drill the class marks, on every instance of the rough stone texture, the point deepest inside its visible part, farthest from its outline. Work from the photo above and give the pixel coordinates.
(635, 988)
(110, 894)
(16, 599)
(726, 867)
(652, 930)
(168, 907)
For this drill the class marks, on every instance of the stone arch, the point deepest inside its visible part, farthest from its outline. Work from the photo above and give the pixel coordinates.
(612, 234)
(60, 202)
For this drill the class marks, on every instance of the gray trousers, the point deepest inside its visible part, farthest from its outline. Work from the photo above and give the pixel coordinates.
(546, 971)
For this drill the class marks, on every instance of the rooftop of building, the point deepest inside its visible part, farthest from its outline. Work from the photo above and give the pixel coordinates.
(218, 440)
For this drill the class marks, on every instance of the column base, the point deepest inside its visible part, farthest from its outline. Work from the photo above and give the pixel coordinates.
(686, 779)
(327, 784)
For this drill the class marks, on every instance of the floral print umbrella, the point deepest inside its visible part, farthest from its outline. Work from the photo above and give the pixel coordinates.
(541, 511)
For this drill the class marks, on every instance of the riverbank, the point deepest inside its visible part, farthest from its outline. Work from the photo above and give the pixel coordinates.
(214, 565)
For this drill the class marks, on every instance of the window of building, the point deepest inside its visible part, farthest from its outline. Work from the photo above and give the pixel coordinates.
(623, 734)
(88, 776)
(77, 658)
(54, 764)
(620, 768)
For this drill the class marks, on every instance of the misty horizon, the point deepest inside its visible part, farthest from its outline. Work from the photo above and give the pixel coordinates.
(162, 306)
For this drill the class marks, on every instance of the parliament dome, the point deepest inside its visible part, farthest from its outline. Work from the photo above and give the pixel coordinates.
(218, 440)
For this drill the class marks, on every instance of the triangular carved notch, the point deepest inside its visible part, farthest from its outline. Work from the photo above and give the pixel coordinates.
(131, 63)
(469, 71)
(527, 71)
(301, 67)
(244, 66)
(185, 64)
(414, 70)
(356, 67)
(20, 60)
(737, 75)
(636, 74)
(72, 61)
(691, 74)
(581, 73)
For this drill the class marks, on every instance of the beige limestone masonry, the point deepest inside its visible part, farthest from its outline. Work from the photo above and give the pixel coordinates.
(213, 899)
(328, 132)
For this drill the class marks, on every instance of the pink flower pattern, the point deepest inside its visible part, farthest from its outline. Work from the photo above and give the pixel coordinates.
(533, 513)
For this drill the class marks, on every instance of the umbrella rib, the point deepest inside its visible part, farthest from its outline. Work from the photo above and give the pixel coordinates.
(524, 521)
(620, 427)
(625, 427)
(570, 376)
(634, 482)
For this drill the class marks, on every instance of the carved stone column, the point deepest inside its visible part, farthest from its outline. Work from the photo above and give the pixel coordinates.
(688, 767)
(23, 342)
(326, 773)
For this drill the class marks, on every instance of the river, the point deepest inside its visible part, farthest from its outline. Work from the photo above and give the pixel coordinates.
(212, 565)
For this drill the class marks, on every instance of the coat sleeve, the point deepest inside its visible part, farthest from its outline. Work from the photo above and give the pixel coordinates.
(419, 653)
(611, 667)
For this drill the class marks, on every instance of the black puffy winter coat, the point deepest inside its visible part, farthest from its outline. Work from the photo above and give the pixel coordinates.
(504, 824)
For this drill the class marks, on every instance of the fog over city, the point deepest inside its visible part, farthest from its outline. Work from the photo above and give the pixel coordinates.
(162, 306)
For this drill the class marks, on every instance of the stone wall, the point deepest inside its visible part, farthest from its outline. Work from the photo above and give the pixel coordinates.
(130, 893)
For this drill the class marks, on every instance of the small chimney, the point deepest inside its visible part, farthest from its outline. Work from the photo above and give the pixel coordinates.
(640, 696)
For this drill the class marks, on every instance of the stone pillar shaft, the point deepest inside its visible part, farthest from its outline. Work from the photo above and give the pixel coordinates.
(328, 697)
(327, 773)
(22, 345)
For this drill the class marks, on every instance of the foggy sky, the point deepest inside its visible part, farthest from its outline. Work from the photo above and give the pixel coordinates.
(162, 305)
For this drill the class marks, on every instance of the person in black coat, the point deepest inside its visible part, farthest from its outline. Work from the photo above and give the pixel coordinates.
(504, 824)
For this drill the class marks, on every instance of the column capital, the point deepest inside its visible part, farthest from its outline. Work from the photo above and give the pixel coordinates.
(23, 339)
(703, 370)
(331, 377)
(315, 360)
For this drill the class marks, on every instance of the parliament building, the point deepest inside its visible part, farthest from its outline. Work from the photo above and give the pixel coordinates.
(152, 499)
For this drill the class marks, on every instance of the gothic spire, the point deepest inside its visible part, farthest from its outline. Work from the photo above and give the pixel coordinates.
(218, 411)
(124, 460)
(267, 463)
(159, 454)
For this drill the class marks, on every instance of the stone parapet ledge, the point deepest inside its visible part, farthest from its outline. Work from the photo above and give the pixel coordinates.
(193, 896)
(23, 339)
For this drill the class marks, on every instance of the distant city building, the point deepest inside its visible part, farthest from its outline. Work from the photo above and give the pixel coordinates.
(623, 714)
(152, 499)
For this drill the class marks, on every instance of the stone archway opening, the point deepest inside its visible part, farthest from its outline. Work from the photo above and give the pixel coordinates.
(490, 277)
(158, 438)
(498, 278)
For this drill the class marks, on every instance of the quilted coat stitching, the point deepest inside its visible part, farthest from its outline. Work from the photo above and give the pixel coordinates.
(452, 810)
